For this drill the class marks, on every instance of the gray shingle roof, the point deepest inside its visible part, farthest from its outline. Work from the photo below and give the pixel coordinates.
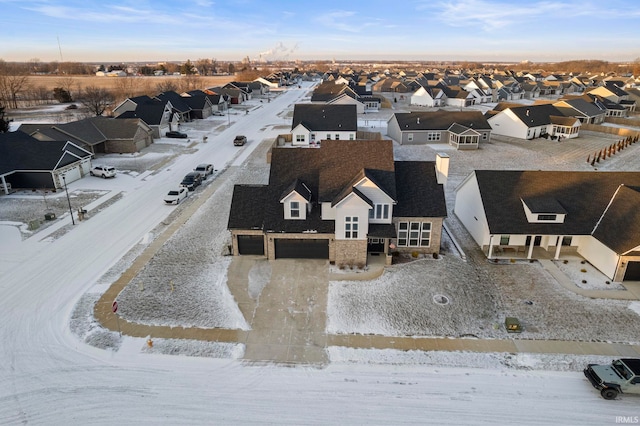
(583, 195)
(328, 172)
(19, 151)
(441, 120)
(318, 118)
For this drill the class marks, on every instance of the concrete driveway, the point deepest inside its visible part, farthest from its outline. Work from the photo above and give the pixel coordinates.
(285, 303)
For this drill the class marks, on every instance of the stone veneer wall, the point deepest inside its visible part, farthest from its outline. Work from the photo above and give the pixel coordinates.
(351, 252)
(436, 235)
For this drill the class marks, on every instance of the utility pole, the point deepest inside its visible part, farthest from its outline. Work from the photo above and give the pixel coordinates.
(68, 200)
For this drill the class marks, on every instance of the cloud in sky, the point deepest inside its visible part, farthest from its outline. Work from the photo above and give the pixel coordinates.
(232, 29)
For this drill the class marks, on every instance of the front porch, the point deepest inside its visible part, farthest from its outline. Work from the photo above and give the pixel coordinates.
(528, 253)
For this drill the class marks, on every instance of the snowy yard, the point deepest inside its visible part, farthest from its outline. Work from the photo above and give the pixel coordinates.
(184, 284)
(427, 297)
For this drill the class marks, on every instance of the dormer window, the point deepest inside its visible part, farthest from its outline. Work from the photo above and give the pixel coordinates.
(294, 209)
(543, 210)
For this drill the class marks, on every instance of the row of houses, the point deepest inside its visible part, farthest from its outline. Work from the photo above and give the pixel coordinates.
(38, 155)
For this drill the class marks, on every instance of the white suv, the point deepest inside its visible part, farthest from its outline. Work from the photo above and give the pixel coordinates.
(103, 171)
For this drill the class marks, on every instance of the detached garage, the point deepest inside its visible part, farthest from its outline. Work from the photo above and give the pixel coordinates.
(303, 248)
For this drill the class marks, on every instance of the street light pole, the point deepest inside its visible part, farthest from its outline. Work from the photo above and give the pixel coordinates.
(73, 222)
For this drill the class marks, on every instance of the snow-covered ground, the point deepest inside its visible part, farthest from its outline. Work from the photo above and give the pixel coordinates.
(54, 367)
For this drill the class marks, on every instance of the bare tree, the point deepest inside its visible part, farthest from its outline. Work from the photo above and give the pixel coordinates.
(69, 84)
(13, 81)
(96, 99)
(189, 82)
(167, 86)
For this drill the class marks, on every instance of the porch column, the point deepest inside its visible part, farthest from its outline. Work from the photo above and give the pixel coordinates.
(490, 247)
(533, 239)
(558, 247)
(4, 185)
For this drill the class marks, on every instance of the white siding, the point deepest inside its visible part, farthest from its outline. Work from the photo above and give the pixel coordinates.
(470, 211)
(507, 124)
(377, 196)
(286, 205)
(352, 206)
(599, 255)
(300, 130)
(422, 98)
(328, 212)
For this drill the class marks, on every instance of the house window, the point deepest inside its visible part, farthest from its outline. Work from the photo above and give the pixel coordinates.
(350, 136)
(566, 241)
(295, 209)
(379, 211)
(409, 137)
(433, 136)
(414, 234)
(351, 227)
(547, 217)
(328, 136)
(337, 137)
(504, 240)
(299, 138)
(485, 136)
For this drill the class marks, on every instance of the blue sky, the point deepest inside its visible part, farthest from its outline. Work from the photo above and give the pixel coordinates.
(477, 30)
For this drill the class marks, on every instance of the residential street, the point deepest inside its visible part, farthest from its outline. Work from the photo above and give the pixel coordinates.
(48, 376)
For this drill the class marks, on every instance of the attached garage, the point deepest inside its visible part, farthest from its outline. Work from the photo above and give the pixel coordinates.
(633, 272)
(301, 248)
(251, 244)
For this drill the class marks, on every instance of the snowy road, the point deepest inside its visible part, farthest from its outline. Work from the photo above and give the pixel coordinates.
(48, 377)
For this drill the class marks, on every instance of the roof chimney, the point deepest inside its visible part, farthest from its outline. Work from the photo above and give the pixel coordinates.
(442, 168)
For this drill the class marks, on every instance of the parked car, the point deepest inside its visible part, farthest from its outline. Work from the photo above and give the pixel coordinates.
(204, 170)
(218, 113)
(176, 195)
(240, 140)
(175, 134)
(191, 180)
(103, 171)
(621, 376)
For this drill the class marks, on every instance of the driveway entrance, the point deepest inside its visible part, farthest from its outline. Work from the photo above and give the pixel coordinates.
(285, 303)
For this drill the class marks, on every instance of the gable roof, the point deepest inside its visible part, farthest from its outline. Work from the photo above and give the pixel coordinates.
(584, 196)
(619, 227)
(150, 112)
(535, 115)
(19, 151)
(330, 173)
(334, 117)
(418, 192)
(441, 120)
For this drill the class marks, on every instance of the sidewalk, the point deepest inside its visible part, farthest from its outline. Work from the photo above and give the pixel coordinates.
(288, 320)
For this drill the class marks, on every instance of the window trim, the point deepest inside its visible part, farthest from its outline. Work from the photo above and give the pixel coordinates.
(414, 234)
(351, 227)
(294, 206)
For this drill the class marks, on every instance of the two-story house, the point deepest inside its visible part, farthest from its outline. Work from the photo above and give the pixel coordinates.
(314, 122)
(341, 202)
